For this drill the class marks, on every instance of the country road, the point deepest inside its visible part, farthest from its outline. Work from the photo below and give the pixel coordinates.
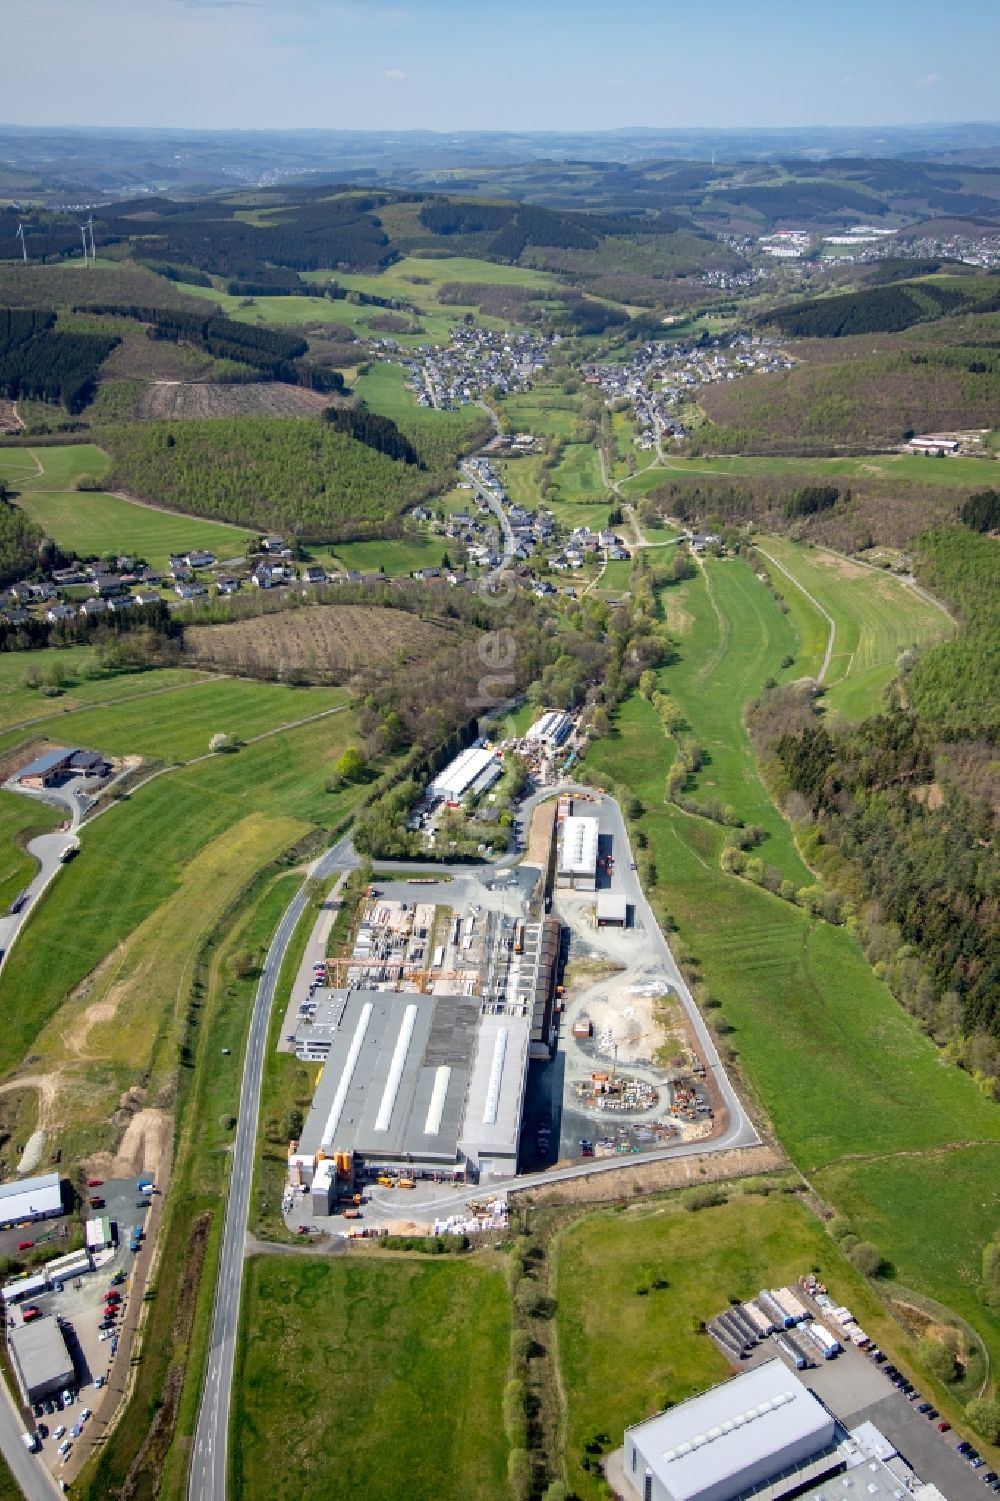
(207, 1477)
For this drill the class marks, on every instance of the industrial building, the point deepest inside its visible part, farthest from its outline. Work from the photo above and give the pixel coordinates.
(418, 1083)
(59, 763)
(612, 910)
(30, 1199)
(98, 1234)
(577, 867)
(470, 774)
(40, 1359)
(736, 1438)
(552, 729)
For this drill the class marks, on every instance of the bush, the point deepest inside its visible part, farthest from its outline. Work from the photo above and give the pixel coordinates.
(937, 1359)
(519, 1474)
(984, 1415)
(866, 1258)
(705, 1198)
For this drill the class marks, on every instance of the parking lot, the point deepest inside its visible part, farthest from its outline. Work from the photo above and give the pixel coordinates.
(100, 1355)
(855, 1389)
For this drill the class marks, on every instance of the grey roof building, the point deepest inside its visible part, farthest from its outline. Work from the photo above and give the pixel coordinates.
(40, 1358)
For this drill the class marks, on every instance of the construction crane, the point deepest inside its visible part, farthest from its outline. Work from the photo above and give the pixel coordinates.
(337, 970)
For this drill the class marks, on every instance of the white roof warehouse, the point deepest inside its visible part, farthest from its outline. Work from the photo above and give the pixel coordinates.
(473, 771)
(30, 1199)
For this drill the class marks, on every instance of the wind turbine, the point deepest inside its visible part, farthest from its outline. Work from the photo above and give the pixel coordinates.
(20, 236)
(90, 226)
(83, 236)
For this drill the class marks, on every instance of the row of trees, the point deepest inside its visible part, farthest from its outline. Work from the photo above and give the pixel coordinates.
(39, 362)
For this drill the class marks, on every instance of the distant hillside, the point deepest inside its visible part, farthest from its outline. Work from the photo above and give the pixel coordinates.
(295, 476)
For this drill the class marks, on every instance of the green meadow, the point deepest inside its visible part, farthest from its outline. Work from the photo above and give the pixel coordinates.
(411, 1358)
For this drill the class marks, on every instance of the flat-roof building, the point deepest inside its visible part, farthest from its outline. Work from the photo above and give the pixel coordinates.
(612, 910)
(492, 1123)
(761, 1427)
(98, 1234)
(30, 1199)
(394, 1083)
(578, 853)
(475, 770)
(40, 1358)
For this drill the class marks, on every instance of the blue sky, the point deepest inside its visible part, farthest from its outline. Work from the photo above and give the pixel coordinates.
(497, 64)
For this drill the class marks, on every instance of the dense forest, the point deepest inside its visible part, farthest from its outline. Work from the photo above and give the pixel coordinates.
(38, 361)
(882, 310)
(297, 476)
(380, 433)
(267, 353)
(954, 686)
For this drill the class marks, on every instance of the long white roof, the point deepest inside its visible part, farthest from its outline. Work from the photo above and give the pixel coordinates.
(579, 845)
(714, 1438)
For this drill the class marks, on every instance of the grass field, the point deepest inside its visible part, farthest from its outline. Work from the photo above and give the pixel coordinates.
(842, 1071)
(545, 411)
(134, 857)
(876, 616)
(393, 555)
(899, 467)
(383, 388)
(21, 818)
(82, 683)
(93, 523)
(178, 725)
(622, 1356)
(411, 1359)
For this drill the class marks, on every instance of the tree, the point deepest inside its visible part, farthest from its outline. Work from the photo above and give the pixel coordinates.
(351, 766)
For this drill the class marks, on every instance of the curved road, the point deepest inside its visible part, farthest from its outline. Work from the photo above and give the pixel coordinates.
(207, 1477)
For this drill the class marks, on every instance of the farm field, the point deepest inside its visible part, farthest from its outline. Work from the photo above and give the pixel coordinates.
(133, 858)
(876, 616)
(323, 638)
(734, 637)
(545, 411)
(91, 523)
(657, 1356)
(393, 555)
(578, 475)
(82, 683)
(132, 1023)
(899, 467)
(383, 388)
(178, 725)
(890, 1196)
(368, 1324)
(20, 819)
(811, 1022)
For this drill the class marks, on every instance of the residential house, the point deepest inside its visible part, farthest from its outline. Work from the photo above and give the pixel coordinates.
(57, 614)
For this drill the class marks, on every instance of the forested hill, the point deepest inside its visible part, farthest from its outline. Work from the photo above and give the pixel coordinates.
(272, 474)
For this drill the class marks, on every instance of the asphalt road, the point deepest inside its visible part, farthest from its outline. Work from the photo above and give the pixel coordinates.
(29, 1470)
(207, 1476)
(509, 545)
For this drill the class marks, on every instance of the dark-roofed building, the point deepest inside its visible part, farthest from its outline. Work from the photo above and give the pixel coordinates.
(394, 1085)
(60, 762)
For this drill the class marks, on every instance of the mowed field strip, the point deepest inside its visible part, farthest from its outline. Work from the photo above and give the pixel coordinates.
(94, 523)
(869, 617)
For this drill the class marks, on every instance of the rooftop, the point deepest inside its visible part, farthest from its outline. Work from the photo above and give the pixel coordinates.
(715, 1438)
(579, 845)
(395, 1080)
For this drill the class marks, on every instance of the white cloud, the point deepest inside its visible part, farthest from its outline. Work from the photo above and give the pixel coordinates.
(395, 75)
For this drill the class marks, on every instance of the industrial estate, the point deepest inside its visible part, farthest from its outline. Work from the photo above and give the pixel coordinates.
(498, 797)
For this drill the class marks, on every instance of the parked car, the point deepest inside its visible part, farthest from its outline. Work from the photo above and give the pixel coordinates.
(95, 1182)
(97, 1202)
(100, 1382)
(25, 1245)
(58, 1432)
(30, 1313)
(30, 1442)
(76, 1430)
(944, 1427)
(143, 1203)
(84, 1414)
(65, 1447)
(924, 1407)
